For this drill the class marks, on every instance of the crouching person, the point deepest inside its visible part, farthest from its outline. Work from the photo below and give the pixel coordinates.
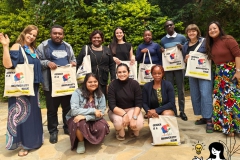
(85, 119)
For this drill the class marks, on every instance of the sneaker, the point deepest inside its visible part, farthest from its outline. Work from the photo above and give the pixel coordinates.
(53, 138)
(80, 147)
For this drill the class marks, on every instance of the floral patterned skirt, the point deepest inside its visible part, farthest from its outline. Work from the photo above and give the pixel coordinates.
(226, 102)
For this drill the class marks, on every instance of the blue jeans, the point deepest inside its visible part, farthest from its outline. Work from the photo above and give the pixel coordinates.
(201, 95)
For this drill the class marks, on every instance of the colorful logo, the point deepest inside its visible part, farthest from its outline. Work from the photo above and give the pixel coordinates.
(18, 76)
(66, 77)
(165, 129)
(147, 72)
(172, 56)
(201, 61)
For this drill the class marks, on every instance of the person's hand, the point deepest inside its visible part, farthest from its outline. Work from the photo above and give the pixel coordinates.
(133, 123)
(52, 65)
(73, 63)
(116, 60)
(179, 46)
(162, 49)
(132, 61)
(145, 50)
(126, 120)
(152, 113)
(4, 39)
(186, 58)
(78, 118)
(237, 76)
(98, 113)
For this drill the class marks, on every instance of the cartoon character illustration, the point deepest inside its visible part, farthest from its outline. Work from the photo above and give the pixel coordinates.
(66, 77)
(165, 128)
(147, 72)
(197, 158)
(173, 56)
(216, 151)
(18, 76)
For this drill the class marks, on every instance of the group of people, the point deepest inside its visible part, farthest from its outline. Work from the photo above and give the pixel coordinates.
(83, 111)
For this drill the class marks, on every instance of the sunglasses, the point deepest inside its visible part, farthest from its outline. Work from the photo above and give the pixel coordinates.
(169, 25)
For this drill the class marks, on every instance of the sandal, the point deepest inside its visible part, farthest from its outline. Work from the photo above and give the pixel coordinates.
(120, 138)
(209, 128)
(201, 121)
(22, 153)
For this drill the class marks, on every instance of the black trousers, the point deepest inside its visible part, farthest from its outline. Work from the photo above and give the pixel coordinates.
(52, 104)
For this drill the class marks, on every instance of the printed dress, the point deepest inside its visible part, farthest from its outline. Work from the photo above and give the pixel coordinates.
(24, 124)
(226, 102)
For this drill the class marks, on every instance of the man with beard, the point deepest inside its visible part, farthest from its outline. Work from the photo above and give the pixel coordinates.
(52, 53)
(170, 40)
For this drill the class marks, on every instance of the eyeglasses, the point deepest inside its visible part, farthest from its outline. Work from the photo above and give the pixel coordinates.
(169, 25)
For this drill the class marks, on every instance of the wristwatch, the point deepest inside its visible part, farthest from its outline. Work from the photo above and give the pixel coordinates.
(134, 117)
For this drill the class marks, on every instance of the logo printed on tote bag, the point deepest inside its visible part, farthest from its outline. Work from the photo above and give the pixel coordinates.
(166, 129)
(202, 62)
(18, 77)
(66, 77)
(147, 72)
(172, 56)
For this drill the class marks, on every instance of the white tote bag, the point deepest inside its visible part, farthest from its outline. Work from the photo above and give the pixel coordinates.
(144, 70)
(63, 80)
(132, 68)
(172, 59)
(19, 81)
(164, 130)
(85, 67)
(198, 65)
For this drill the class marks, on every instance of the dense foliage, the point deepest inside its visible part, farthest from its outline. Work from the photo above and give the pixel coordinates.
(80, 17)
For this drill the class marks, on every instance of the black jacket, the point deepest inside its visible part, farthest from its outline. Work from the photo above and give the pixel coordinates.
(100, 67)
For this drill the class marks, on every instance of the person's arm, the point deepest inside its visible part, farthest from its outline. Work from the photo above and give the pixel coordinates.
(7, 62)
(112, 67)
(171, 99)
(139, 55)
(80, 56)
(40, 52)
(132, 56)
(72, 58)
(145, 98)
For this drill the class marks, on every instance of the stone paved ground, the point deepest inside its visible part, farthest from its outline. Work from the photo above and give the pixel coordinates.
(130, 149)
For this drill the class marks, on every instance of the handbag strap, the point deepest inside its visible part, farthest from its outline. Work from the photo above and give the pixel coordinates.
(24, 55)
(199, 45)
(150, 58)
(86, 50)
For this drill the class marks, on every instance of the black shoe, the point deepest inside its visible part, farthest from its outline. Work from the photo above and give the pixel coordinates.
(66, 131)
(183, 116)
(53, 138)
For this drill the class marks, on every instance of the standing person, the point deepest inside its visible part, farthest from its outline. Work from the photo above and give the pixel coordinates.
(120, 48)
(52, 53)
(158, 95)
(152, 47)
(85, 119)
(200, 89)
(125, 103)
(170, 40)
(224, 51)
(24, 125)
(101, 59)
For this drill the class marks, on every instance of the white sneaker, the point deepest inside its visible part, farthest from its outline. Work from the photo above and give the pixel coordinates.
(81, 147)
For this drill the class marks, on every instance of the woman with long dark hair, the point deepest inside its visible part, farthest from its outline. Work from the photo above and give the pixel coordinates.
(224, 51)
(85, 119)
(120, 48)
(216, 150)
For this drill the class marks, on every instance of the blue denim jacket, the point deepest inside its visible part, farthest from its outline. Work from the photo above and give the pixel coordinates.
(77, 106)
(201, 49)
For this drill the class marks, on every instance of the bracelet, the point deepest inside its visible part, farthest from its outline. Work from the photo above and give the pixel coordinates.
(124, 114)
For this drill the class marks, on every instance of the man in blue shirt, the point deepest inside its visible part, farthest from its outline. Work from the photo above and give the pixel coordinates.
(52, 53)
(170, 40)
